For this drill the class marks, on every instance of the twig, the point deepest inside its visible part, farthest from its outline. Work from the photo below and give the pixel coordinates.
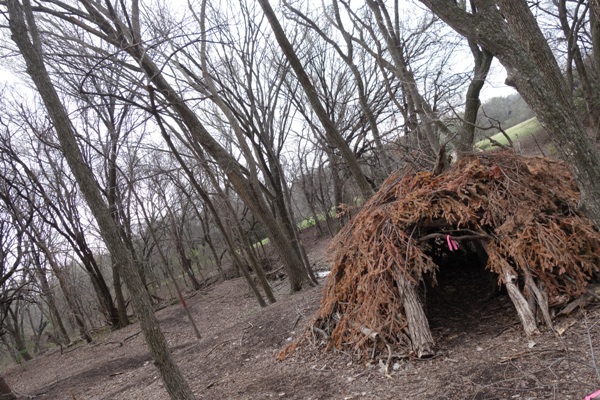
(389, 360)
(297, 320)
(28, 396)
(592, 353)
(132, 336)
(213, 383)
(244, 332)
(218, 345)
(117, 342)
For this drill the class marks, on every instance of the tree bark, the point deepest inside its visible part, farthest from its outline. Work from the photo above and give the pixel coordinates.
(5, 392)
(26, 36)
(483, 61)
(595, 30)
(522, 306)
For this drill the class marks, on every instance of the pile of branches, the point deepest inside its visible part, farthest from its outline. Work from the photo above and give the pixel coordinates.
(521, 213)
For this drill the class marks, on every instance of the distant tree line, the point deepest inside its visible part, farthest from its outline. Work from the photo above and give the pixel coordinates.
(501, 112)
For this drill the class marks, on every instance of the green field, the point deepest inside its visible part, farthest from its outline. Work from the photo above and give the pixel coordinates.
(515, 133)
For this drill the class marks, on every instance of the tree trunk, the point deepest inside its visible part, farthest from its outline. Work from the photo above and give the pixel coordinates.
(101, 289)
(574, 56)
(5, 392)
(123, 320)
(522, 306)
(31, 51)
(13, 327)
(56, 318)
(332, 133)
(509, 30)
(64, 286)
(595, 30)
(483, 61)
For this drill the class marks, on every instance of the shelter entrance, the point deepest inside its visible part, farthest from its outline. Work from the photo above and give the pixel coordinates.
(465, 297)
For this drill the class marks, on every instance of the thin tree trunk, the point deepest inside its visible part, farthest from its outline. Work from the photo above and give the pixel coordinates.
(120, 298)
(169, 271)
(56, 318)
(22, 32)
(58, 273)
(5, 392)
(483, 61)
(365, 188)
(418, 327)
(13, 327)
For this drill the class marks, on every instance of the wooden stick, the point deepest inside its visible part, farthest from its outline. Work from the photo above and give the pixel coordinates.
(473, 235)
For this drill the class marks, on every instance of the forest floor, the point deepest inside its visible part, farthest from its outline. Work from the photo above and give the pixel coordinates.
(482, 352)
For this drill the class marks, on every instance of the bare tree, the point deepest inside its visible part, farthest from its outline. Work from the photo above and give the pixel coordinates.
(120, 35)
(362, 74)
(26, 36)
(12, 283)
(51, 194)
(508, 29)
(332, 133)
(578, 26)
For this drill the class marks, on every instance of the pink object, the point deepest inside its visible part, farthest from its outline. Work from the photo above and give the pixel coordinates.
(593, 395)
(452, 245)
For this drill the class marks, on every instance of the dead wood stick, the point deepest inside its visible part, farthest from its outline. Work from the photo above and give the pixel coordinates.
(320, 332)
(389, 360)
(514, 356)
(218, 345)
(132, 336)
(28, 396)
(592, 293)
(213, 383)
(462, 237)
(540, 296)
(119, 343)
(525, 313)
(297, 320)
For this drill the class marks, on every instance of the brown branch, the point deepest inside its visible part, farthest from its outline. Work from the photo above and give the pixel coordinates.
(473, 236)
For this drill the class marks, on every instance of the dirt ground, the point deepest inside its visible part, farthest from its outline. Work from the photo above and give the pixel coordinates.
(482, 352)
